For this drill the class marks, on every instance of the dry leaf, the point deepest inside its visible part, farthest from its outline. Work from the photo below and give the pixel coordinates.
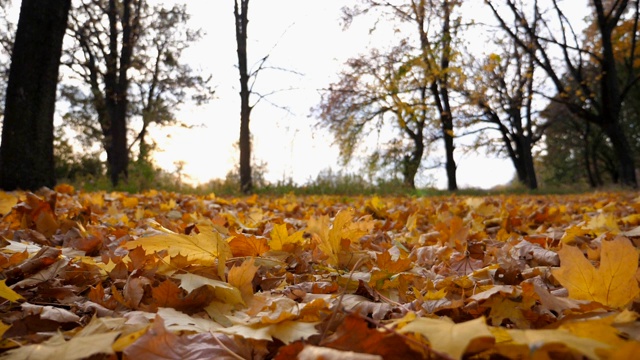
(242, 278)
(224, 292)
(203, 248)
(8, 293)
(613, 283)
(78, 347)
(447, 337)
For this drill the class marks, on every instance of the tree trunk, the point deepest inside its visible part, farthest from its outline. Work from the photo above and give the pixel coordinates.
(447, 116)
(612, 100)
(622, 151)
(240, 13)
(514, 154)
(117, 84)
(119, 160)
(527, 163)
(608, 102)
(447, 131)
(26, 154)
(412, 162)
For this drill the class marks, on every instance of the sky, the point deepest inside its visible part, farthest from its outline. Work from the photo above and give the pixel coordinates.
(306, 42)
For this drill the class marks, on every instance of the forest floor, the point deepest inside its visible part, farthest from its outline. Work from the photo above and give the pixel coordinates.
(160, 275)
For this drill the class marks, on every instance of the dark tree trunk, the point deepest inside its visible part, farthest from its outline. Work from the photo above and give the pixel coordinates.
(241, 17)
(446, 116)
(117, 84)
(412, 162)
(622, 151)
(523, 142)
(440, 86)
(26, 154)
(590, 162)
(608, 97)
(531, 180)
(612, 99)
(513, 150)
(447, 131)
(119, 150)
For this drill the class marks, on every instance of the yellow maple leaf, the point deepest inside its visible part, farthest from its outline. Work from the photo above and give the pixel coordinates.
(130, 202)
(603, 223)
(280, 237)
(127, 339)
(448, 337)
(376, 206)
(536, 339)
(286, 331)
(242, 278)
(600, 329)
(226, 293)
(8, 293)
(7, 202)
(343, 228)
(613, 283)
(56, 347)
(503, 308)
(572, 232)
(202, 248)
(4, 327)
(627, 351)
(412, 222)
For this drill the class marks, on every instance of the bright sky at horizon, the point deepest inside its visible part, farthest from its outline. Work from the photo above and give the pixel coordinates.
(307, 40)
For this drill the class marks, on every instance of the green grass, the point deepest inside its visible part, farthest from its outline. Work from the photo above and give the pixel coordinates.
(144, 177)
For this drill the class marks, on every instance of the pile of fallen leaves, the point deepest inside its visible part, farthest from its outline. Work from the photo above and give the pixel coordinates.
(168, 276)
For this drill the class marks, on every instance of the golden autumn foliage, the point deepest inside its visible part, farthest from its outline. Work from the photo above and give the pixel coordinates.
(171, 276)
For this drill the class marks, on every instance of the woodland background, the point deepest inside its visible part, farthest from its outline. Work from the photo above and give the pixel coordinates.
(554, 94)
(154, 273)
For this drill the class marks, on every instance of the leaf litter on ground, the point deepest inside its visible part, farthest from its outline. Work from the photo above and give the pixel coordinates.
(159, 275)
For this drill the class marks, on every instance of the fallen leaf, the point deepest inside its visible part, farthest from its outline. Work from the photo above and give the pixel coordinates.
(311, 352)
(354, 334)
(50, 313)
(178, 321)
(448, 337)
(536, 339)
(8, 293)
(286, 331)
(159, 344)
(247, 245)
(280, 237)
(203, 248)
(343, 228)
(78, 347)
(613, 283)
(242, 278)
(224, 292)
(7, 201)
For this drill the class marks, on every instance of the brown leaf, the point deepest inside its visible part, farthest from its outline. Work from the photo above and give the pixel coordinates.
(159, 344)
(167, 294)
(45, 257)
(385, 263)
(355, 335)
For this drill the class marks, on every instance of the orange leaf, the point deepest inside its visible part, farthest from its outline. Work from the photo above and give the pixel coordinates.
(453, 233)
(393, 267)
(243, 245)
(167, 294)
